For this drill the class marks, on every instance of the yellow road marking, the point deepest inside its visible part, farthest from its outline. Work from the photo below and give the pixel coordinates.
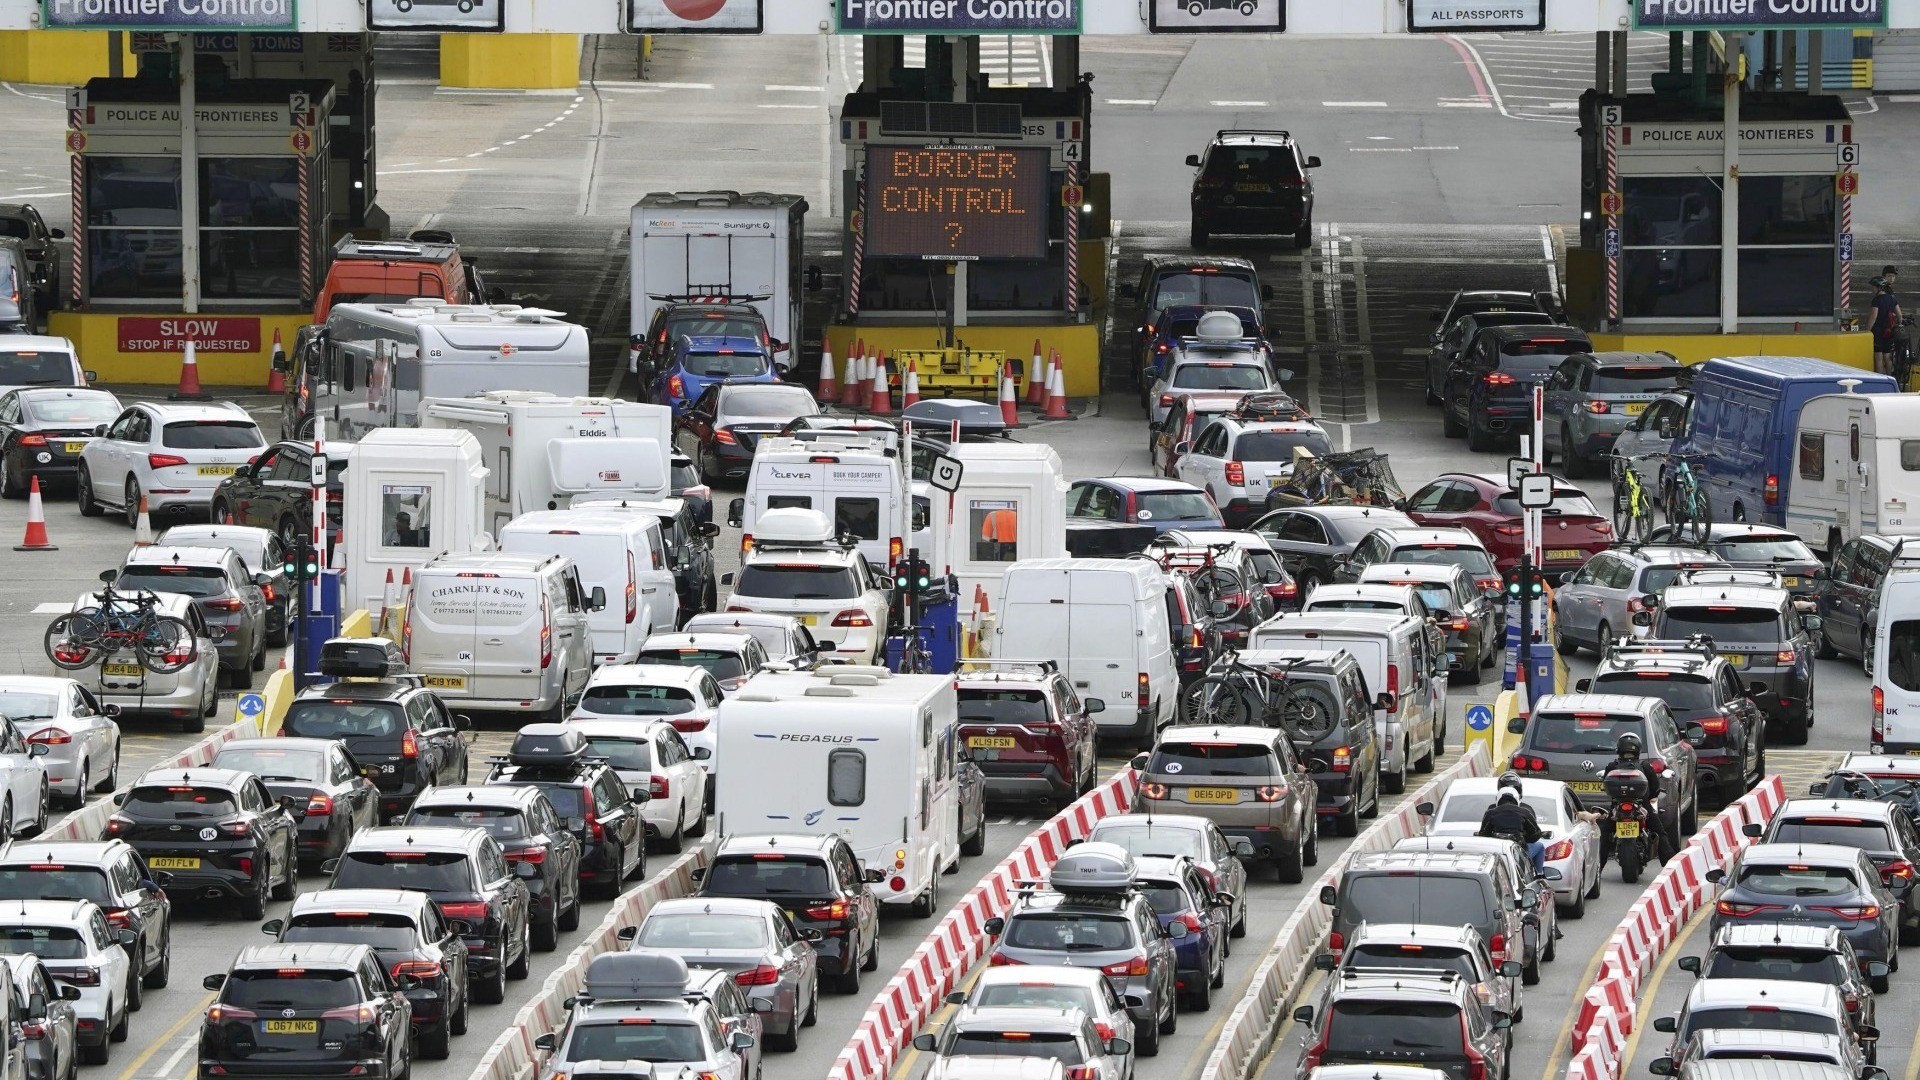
(140, 1060)
(1555, 1064)
(1651, 991)
(939, 1018)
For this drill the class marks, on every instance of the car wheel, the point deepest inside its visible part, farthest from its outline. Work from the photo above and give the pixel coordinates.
(112, 779)
(1478, 439)
(567, 918)
(119, 1031)
(1573, 464)
(1172, 1023)
(84, 500)
(1287, 864)
(977, 843)
(927, 902)
(1577, 909)
(157, 975)
(458, 1024)
(519, 969)
(1562, 643)
(289, 887)
(848, 981)
(132, 506)
(81, 786)
(1603, 634)
(871, 962)
(1450, 425)
(1309, 581)
(545, 936)
(1690, 820)
(1433, 396)
(1197, 234)
(39, 823)
(260, 658)
(1310, 847)
(254, 904)
(220, 513)
(1146, 1040)
(494, 990)
(1303, 236)
(1200, 994)
(1348, 824)
(1530, 972)
(1394, 783)
(135, 998)
(436, 1044)
(10, 485)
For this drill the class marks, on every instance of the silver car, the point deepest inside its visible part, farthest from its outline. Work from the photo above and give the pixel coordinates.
(188, 695)
(1427, 947)
(1597, 602)
(1053, 986)
(1593, 397)
(754, 940)
(82, 740)
(1190, 835)
(1573, 844)
(785, 638)
(1065, 1035)
(644, 1007)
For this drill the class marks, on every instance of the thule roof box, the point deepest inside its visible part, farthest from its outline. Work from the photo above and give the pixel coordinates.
(549, 745)
(635, 976)
(1093, 868)
(361, 658)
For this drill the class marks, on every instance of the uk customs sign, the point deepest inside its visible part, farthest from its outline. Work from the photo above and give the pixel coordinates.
(1458, 16)
(960, 16)
(1759, 14)
(168, 14)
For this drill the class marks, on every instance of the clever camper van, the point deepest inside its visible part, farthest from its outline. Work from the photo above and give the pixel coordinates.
(859, 483)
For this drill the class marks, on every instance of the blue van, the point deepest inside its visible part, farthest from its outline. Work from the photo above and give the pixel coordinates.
(1739, 435)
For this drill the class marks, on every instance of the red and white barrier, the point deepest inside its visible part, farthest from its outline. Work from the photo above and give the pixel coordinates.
(960, 939)
(1609, 1010)
(1255, 1022)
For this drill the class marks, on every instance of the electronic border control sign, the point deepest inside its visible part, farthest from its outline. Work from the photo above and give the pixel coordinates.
(957, 202)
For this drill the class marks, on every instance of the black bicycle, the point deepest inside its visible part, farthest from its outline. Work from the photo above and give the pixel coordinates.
(121, 622)
(1235, 692)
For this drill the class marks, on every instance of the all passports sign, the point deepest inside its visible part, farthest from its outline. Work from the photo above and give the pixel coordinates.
(1456, 16)
(1759, 14)
(168, 14)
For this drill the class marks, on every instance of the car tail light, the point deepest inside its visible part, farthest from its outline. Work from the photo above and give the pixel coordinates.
(33, 440)
(1166, 401)
(1342, 759)
(1508, 530)
(1497, 378)
(228, 604)
(356, 1014)
(895, 548)
(1559, 849)
(1522, 763)
(595, 831)
(409, 745)
(1153, 791)
(1460, 626)
(319, 804)
(531, 856)
(50, 737)
(763, 975)
(722, 435)
(1003, 960)
(1476, 1064)
(1269, 793)
(1879, 714)
(1393, 688)
(406, 633)
(1714, 725)
(1336, 943)
(852, 617)
(1135, 967)
(1143, 692)
(1192, 922)
(473, 910)
(836, 910)
(267, 593)
(1899, 868)
(117, 826)
(676, 387)
(688, 724)
(164, 461)
(546, 633)
(1772, 491)
(1105, 1031)
(1635, 605)
(1738, 910)
(33, 1029)
(1860, 912)
(1853, 1002)
(1498, 947)
(1487, 584)
(419, 969)
(1083, 1072)
(218, 1013)
(1785, 656)
(1236, 473)
(120, 919)
(80, 976)
(236, 829)
(1311, 1059)
(1598, 408)
(1657, 765)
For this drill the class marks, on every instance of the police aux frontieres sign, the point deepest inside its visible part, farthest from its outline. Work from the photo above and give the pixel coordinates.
(168, 14)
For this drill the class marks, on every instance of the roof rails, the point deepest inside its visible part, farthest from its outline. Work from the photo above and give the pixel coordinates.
(991, 666)
(1275, 132)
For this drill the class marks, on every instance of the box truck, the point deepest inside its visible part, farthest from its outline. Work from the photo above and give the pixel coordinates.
(721, 247)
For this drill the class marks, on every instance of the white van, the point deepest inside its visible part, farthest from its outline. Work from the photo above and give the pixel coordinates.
(620, 553)
(1105, 620)
(543, 452)
(1856, 469)
(498, 630)
(1406, 680)
(859, 483)
(1894, 660)
(408, 496)
(857, 751)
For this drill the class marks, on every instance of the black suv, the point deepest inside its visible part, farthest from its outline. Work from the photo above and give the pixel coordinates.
(400, 733)
(530, 834)
(1761, 633)
(214, 833)
(308, 1010)
(1332, 694)
(819, 882)
(1847, 596)
(469, 880)
(596, 807)
(275, 492)
(1487, 395)
(1252, 181)
(1701, 687)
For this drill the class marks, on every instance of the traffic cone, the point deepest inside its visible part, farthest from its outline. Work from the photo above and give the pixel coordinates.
(276, 370)
(1037, 378)
(850, 388)
(143, 527)
(980, 603)
(1057, 395)
(386, 599)
(882, 401)
(910, 385)
(827, 386)
(1009, 401)
(36, 539)
(189, 379)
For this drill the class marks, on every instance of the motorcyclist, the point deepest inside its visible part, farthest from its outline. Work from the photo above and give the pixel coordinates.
(1510, 818)
(1627, 755)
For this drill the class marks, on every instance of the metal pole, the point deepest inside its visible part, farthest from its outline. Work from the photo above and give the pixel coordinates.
(116, 54)
(1816, 63)
(1619, 62)
(189, 182)
(1730, 187)
(1071, 231)
(1603, 62)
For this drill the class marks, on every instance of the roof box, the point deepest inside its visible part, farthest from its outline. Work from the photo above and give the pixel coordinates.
(1219, 326)
(548, 744)
(629, 976)
(1093, 868)
(361, 658)
(792, 525)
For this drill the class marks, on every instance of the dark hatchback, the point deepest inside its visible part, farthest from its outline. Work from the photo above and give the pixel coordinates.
(1762, 547)
(819, 882)
(276, 492)
(401, 734)
(321, 777)
(1487, 394)
(307, 1011)
(1312, 541)
(1885, 831)
(42, 432)
(530, 834)
(596, 806)
(215, 833)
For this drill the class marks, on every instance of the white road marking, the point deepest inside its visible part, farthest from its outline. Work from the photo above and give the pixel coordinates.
(786, 105)
(1240, 104)
(419, 172)
(1379, 149)
(1466, 104)
(1354, 104)
(791, 89)
(1136, 101)
(52, 609)
(683, 85)
(179, 1052)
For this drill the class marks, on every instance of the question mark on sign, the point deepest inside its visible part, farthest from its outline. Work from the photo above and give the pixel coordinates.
(953, 233)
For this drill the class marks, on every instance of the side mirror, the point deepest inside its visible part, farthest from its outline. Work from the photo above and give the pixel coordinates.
(1756, 688)
(1175, 930)
(1661, 1066)
(1689, 963)
(726, 578)
(1820, 573)
(812, 935)
(214, 982)
(1219, 609)
(1092, 705)
(702, 753)
(995, 926)
(1666, 430)
(1424, 809)
(575, 824)
(597, 600)
(736, 512)
(1666, 1024)
(37, 1005)
(1329, 895)
(1243, 848)
(1811, 623)
(627, 933)
(263, 580)
(1502, 1021)
(1877, 969)
(1181, 448)
(1324, 962)
(1122, 1047)
(1753, 829)
(69, 993)
(1715, 876)
(39, 750)
(272, 927)
(1384, 702)
(548, 1042)
(525, 870)
(462, 722)
(957, 997)
(126, 937)
(1139, 762)
(119, 798)
(1510, 969)
(1193, 162)
(924, 1042)
(763, 1005)
(699, 873)
(149, 885)
(1583, 686)
(740, 1040)
(1517, 726)
(109, 709)
(1643, 618)
(1303, 1015)
(1694, 733)
(99, 431)
(1867, 1033)
(709, 530)
(1873, 1072)
(330, 867)
(404, 983)
(1313, 162)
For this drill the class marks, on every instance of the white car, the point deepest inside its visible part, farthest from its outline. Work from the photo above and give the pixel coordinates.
(1238, 461)
(1051, 986)
(731, 659)
(26, 794)
(188, 695)
(797, 568)
(174, 455)
(81, 737)
(73, 939)
(1068, 1034)
(1574, 861)
(1209, 367)
(686, 697)
(784, 637)
(654, 761)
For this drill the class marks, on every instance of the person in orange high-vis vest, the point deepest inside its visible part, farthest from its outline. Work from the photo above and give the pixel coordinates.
(1000, 535)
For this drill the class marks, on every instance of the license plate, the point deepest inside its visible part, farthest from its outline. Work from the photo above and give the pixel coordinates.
(293, 1027)
(123, 670)
(809, 620)
(1213, 795)
(445, 682)
(163, 862)
(1626, 830)
(1790, 582)
(219, 470)
(991, 742)
(1635, 408)
(1561, 554)
(1735, 659)
(72, 447)
(1251, 187)
(1587, 787)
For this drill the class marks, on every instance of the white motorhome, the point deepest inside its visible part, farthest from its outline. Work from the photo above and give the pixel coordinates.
(859, 483)
(1024, 480)
(372, 364)
(623, 553)
(857, 751)
(543, 451)
(721, 246)
(1856, 470)
(1105, 620)
(408, 496)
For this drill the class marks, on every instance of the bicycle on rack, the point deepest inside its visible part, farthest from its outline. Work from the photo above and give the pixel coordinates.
(1688, 510)
(1632, 502)
(1234, 692)
(120, 622)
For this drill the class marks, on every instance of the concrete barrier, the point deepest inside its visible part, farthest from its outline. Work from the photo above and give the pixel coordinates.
(960, 939)
(1254, 1024)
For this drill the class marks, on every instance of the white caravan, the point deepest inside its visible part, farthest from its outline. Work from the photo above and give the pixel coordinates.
(408, 496)
(1856, 469)
(1025, 480)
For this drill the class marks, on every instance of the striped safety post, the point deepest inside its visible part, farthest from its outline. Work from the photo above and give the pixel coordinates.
(859, 231)
(1072, 212)
(1846, 264)
(79, 233)
(306, 227)
(1614, 255)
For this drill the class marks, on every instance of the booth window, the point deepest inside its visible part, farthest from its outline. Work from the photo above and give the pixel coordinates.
(847, 777)
(1670, 247)
(250, 228)
(789, 502)
(405, 511)
(133, 228)
(995, 527)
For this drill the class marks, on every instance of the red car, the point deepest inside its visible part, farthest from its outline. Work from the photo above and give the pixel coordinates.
(1483, 504)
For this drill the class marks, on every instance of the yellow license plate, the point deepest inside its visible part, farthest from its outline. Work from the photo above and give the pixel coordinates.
(73, 447)
(809, 620)
(1587, 787)
(1626, 830)
(1790, 582)
(445, 682)
(991, 742)
(162, 862)
(1735, 659)
(1213, 795)
(1565, 553)
(219, 470)
(126, 670)
(1635, 408)
(293, 1027)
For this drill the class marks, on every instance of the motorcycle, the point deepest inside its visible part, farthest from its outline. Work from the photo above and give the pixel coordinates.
(1632, 818)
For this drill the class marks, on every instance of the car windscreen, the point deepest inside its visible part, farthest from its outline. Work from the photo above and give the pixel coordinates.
(1036, 995)
(635, 755)
(1484, 306)
(501, 823)
(55, 881)
(1567, 502)
(1252, 165)
(1474, 561)
(1537, 356)
(705, 325)
(1174, 506)
(1774, 962)
(45, 942)
(1058, 1046)
(655, 1042)
(1758, 1018)
(1566, 733)
(702, 930)
(1839, 831)
(1438, 597)
(291, 988)
(1763, 547)
(316, 718)
(1279, 445)
(184, 580)
(212, 435)
(1655, 579)
(1726, 624)
(612, 699)
(1394, 1028)
(1191, 760)
(425, 871)
(768, 875)
(36, 368)
(797, 581)
(721, 665)
(283, 766)
(1680, 692)
(1356, 604)
(982, 706)
(1047, 931)
(565, 797)
(179, 803)
(1411, 897)
(1796, 880)
(1146, 839)
(1634, 379)
(1350, 529)
(1205, 288)
(379, 930)
(1413, 958)
(1472, 806)
(58, 410)
(23, 706)
(1219, 375)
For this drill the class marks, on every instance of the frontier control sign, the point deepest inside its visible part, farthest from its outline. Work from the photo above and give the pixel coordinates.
(957, 202)
(958, 16)
(1759, 14)
(168, 14)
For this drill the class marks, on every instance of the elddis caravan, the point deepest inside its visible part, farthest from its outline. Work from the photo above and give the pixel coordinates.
(857, 751)
(1856, 469)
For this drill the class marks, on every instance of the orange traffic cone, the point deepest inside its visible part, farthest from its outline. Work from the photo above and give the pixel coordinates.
(1009, 401)
(36, 539)
(980, 599)
(1037, 377)
(882, 401)
(143, 527)
(827, 386)
(850, 388)
(189, 379)
(1057, 396)
(276, 370)
(910, 385)
(386, 599)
